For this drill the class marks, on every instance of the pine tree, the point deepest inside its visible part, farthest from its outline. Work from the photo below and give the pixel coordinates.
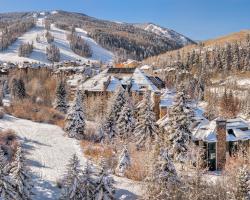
(3, 159)
(21, 92)
(104, 188)
(236, 56)
(243, 181)
(75, 121)
(227, 57)
(146, 128)
(7, 187)
(126, 121)
(18, 89)
(110, 124)
(21, 176)
(5, 88)
(61, 98)
(124, 162)
(162, 178)
(89, 183)
(72, 184)
(206, 61)
(53, 53)
(14, 88)
(178, 132)
(247, 52)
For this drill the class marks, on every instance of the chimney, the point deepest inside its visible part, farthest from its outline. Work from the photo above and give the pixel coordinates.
(221, 146)
(156, 108)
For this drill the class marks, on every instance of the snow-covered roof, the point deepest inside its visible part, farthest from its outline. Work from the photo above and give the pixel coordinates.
(137, 78)
(237, 129)
(167, 98)
(146, 67)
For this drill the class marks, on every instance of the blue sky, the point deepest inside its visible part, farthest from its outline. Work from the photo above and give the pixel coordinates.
(198, 19)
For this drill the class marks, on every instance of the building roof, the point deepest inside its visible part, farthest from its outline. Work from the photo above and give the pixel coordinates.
(237, 129)
(121, 70)
(111, 78)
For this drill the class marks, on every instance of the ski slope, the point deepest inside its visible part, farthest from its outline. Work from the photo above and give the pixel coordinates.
(39, 52)
(48, 151)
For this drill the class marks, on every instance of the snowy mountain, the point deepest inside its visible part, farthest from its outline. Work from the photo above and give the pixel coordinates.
(168, 33)
(60, 40)
(105, 38)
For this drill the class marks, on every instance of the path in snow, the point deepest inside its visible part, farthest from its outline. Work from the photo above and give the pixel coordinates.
(48, 150)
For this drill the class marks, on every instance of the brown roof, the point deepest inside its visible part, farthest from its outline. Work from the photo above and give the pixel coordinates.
(121, 70)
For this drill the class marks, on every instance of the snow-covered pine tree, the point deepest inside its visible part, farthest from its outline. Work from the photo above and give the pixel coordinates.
(3, 159)
(110, 124)
(236, 56)
(7, 187)
(72, 183)
(146, 129)
(227, 57)
(126, 121)
(18, 89)
(162, 178)
(61, 98)
(178, 132)
(53, 53)
(5, 88)
(21, 91)
(243, 181)
(124, 162)
(21, 176)
(14, 88)
(1, 98)
(247, 56)
(104, 187)
(75, 121)
(89, 183)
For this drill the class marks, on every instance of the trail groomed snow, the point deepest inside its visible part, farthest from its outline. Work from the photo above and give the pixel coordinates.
(48, 151)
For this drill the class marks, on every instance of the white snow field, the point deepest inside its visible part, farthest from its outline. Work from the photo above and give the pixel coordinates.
(39, 52)
(48, 151)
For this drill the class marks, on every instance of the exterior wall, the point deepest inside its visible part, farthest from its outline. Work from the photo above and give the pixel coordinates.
(221, 147)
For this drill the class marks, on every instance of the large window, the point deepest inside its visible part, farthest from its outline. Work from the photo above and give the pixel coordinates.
(211, 156)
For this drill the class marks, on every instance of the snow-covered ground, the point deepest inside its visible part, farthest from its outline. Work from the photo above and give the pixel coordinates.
(99, 53)
(48, 151)
(39, 53)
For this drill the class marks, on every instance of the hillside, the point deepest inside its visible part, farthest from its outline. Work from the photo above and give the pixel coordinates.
(168, 33)
(123, 39)
(239, 37)
(60, 40)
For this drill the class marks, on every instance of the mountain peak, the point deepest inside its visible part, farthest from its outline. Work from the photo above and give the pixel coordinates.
(165, 32)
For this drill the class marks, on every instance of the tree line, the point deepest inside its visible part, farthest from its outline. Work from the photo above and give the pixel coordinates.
(11, 31)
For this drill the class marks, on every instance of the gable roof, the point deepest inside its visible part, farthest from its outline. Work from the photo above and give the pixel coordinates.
(111, 78)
